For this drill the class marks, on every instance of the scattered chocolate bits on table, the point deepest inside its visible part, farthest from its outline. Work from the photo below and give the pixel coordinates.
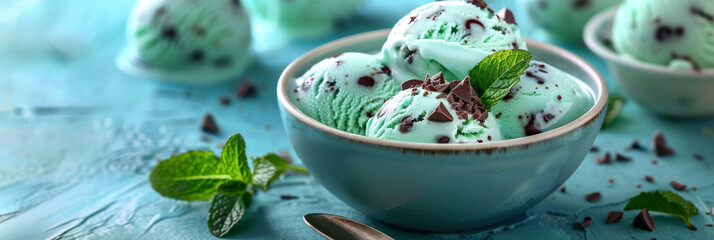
(288, 197)
(644, 221)
(594, 149)
(587, 221)
(614, 216)
(660, 145)
(639, 186)
(246, 89)
(209, 124)
(592, 197)
(635, 145)
(224, 100)
(678, 186)
(562, 189)
(649, 178)
(654, 161)
(710, 225)
(611, 180)
(622, 158)
(607, 159)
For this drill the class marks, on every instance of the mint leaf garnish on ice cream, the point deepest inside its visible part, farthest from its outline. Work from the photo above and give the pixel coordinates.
(495, 75)
(227, 181)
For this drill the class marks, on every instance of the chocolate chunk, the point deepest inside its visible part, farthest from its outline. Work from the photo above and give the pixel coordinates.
(464, 90)
(209, 124)
(386, 70)
(649, 178)
(547, 117)
(614, 216)
(678, 186)
(622, 158)
(443, 139)
(434, 83)
(473, 21)
(440, 114)
(366, 81)
(635, 145)
(498, 115)
(644, 221)
(586, 222)
(562, 189)
(246, 89)
(169, 33)
(660, 145)
(406, 124)
(506, 15)
(224, 100)
(665, 33)
(515, 46)
(607, 159)
(288, 197)
(530, 128)
(593, 197)
(478, 3)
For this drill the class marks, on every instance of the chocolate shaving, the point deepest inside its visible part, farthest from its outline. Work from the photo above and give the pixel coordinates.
(209, 124)
(644, 221)
(660, 145)
(411, 83)
(440, 114)
(506, 15)
(593, 197)
(288, 197)
(622, 158)
(473, 21)
(614, 216)
(678, 186)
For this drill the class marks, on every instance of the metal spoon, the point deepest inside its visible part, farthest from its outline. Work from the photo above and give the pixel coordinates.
(340, 228)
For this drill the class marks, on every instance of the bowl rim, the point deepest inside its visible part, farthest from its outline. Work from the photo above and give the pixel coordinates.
(590, 36)
(590, 116)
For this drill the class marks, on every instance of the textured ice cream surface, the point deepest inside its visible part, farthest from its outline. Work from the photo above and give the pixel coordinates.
(433, 111)
(345, 90)
(183, 35)
(449, 37)
(675, 33)
(544, 99)
(301, 18)
(565, 18)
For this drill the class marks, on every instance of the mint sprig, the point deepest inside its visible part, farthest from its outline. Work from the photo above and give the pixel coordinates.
(227, 181)
(495, 75)
(666, 202)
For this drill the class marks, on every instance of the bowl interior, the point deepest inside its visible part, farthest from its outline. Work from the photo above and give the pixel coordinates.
(372, 42)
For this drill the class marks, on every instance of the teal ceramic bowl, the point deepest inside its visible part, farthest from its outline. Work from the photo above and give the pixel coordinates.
(659, 89)
(440, 187)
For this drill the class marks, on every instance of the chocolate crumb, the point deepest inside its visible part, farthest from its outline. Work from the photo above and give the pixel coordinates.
(649, 178)
(587, 221)
(644, 221)
(607, 159)
(209, 124)
(660, 145)
(246, 89)
(678, 186)
(694, 188)
(592, 197)
(622, 158)
(224, 100)
(562, 189)
(654, 161)
(635, 145)
(639, 186)
(498, 115)
(611, 180)
(288, 197)
(614, 216)
(594, 149)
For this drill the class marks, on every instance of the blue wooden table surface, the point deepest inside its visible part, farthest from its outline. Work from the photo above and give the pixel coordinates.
(78, 139)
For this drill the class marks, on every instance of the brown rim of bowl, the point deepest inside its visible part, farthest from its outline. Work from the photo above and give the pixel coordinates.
(289, 72)
(591, 39)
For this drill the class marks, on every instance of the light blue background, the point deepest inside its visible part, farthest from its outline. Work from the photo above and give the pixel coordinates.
(78, 139)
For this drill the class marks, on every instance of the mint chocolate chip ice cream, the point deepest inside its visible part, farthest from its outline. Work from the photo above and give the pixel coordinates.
(449, 37)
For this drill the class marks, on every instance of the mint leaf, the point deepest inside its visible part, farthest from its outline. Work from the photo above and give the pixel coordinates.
(664, 202)
(268, 168)
(233, 157)
(228, 206)
(495, 75)
(614, 108)
(190, 176)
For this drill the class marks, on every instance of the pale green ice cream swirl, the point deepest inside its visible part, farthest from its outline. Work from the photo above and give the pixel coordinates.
(449, 37)
(184, 34)
(544, 99)
(302, 18)
(406, 117)
(345, 90)
(565, 18)
(675, 33)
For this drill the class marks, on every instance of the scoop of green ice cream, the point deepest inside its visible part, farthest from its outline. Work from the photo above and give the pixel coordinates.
(302, 18)
(565, 18)
(345, 90)
(433, 111)
(678, 33)
(449, 37)
(544, 99)
(181, 35)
